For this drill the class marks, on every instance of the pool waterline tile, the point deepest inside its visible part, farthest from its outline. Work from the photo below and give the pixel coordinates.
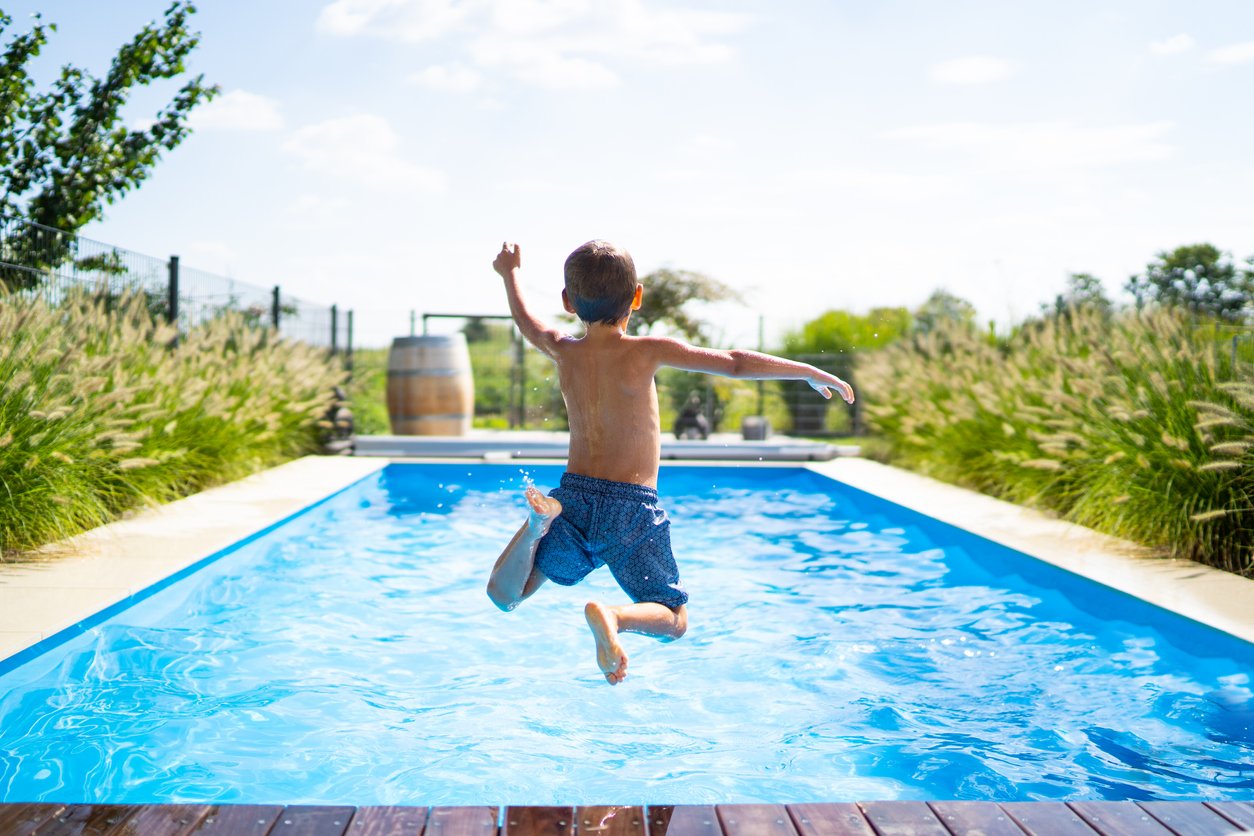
(13, 641)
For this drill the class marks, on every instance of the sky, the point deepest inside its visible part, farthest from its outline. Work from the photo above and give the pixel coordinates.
(812, 154)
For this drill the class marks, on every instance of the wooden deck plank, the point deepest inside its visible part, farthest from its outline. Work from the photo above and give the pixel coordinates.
(1186, 818)
(166, 819)
(23, 819)
(388, 821)
(876, 818)
(902, 818)
(830, 820)
(1047, 818)
(539, 821)
(88, 820)
(982, 817)
(755, 820)
(683, 820)
(610, 820)
(239, 820)
(1117, 818)
(1240, 813)
(313, 820)
(462, 821)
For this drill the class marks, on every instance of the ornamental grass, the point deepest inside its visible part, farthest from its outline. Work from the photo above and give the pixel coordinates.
(102, 410)
(1137, 424)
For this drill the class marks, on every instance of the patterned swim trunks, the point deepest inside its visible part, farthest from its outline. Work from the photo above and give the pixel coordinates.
(616, 524)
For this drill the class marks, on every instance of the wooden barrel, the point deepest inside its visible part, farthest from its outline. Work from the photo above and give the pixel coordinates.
(430, 388)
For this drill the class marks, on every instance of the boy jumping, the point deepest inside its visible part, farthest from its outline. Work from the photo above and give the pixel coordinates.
(606, 509)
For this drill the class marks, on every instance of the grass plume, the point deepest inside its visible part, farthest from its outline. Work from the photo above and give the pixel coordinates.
(1133, 424)
(101, 411)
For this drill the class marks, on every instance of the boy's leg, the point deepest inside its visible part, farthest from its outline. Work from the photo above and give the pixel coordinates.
(646, 618)
(514, 577)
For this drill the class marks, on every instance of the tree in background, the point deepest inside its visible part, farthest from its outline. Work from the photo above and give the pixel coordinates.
(667, 293)
(1200, 278)
(942, 306)
(1084, 290)
(66, 152)
(837, 332)
(832, 341)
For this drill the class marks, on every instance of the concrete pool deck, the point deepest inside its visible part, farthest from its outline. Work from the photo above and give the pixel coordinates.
(69, 583)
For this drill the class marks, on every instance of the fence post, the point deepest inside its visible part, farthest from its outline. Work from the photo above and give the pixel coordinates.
(522, 383)
(172, 306)
(335, 321)
(761, 348)
(274, 308)
(348, 346)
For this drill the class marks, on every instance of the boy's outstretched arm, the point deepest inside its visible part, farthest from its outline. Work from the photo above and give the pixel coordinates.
(747, 365)
(543, 337)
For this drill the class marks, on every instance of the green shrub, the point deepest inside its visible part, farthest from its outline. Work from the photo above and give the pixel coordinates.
(100, 411)
(1137, 424)
(367, 392)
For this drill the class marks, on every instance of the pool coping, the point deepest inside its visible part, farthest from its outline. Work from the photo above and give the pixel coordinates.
(76, 582)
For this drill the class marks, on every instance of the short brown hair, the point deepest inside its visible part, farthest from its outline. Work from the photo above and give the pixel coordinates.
(600, 282)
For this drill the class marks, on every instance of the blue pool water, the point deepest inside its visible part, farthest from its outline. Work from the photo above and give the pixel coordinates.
(840, 647)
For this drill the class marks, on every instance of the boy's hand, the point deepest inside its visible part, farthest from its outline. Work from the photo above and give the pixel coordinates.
(506, 261)
(823, 383)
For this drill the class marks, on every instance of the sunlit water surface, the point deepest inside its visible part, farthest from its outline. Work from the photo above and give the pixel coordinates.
(839, 648)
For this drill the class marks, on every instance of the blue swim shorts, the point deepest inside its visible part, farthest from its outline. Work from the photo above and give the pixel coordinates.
(616, 524)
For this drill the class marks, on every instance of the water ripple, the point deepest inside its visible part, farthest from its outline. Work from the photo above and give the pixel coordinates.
(838, 649)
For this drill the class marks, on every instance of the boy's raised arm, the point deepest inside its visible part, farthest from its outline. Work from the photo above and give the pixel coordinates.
(748, 365)
(543, 337)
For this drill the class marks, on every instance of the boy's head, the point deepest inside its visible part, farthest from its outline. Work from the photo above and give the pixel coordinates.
(600, 283)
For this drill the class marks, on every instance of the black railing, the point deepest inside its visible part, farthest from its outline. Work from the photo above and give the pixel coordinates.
(39, 261)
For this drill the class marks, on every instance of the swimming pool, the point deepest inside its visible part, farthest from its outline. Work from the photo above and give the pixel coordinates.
(840, 647)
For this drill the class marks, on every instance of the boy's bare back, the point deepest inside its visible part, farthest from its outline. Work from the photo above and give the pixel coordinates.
(611, 404)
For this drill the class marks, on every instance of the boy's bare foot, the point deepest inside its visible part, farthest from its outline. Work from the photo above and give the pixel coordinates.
(544, 509)
(610, 654)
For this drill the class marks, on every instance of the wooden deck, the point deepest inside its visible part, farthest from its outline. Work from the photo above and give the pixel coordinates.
(868, 818)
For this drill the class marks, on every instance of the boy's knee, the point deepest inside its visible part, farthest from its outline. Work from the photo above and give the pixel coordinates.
(503, 601)
(681, 620)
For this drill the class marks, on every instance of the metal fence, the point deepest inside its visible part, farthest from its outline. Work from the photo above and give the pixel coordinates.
(516, 387)
(39, 261)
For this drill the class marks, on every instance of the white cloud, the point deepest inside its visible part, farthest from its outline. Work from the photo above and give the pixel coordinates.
(1241, 53)
(525, 16)
(238, 110)
(410, 21)
(447, 78)
(974, 69)
(1034, 146)
(1173, 45)
(552, 43)
(536, 64)
(361, 148)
